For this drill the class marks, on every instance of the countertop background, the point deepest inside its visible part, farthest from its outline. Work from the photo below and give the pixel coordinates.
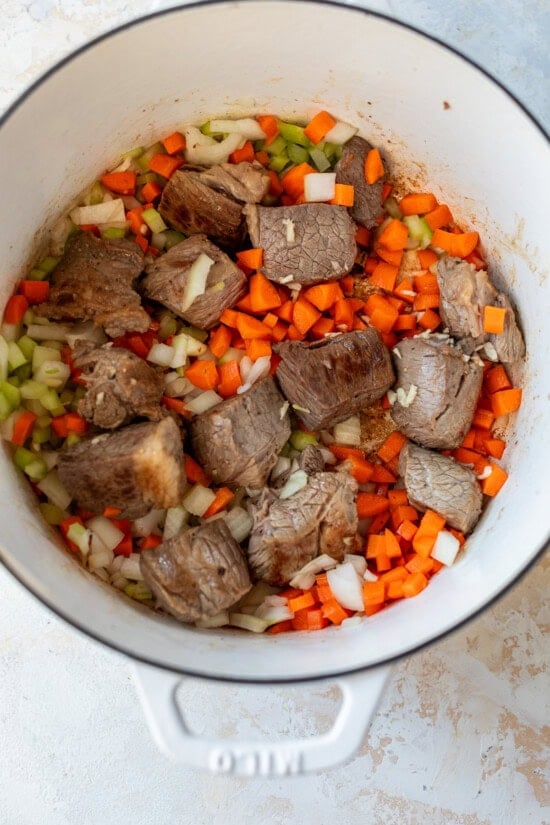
(461, 736)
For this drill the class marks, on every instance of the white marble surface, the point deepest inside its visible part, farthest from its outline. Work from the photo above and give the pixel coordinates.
(462, 735)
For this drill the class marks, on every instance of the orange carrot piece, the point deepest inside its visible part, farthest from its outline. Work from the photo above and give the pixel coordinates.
(174, 143)
(123, 183)
(495, 447)
(23, 427)
(429, 320)
(405, 323)
(392, 446)
(176, 405)
(504, 402)
(414, 584)
(301, 602)
(342, 312)
(394, 236)
(112, 512)
(374, 168)
(194, 472)
(426, 534)
(397, 497)
(370, 265)
(493, 319)
(491, 485)
(270, 127)
(305, 315)
(439, 217)
(164, 165)
(426, 283)
(427, 257)
(294, 334)
(394, 590)
(427, 300)
(406, 530)
(361, 469)
(223, 496)
(376, 545)
(150, 541)
(404, 290)
(270, 320)
(342, 452)
(381, 475)
(279, 331)
(252, 258)
(334, 612)
(258, 348)
(220, 341)
(316, 620)
(244, 154)
(483, 419)
(15, 309)
(263, 294)
(230, 379)
(369, 504)
(36, 292)
(250, 327)
(496, 379)
(419, 564)
(381, 313)
(432, 522)
(390, 257)
(348, 284)
(293, 180)
(280, 627)
(203, 374)
(151, 191)
(374, 593)
(318, 126)
(458, 245)
(387, 189)
(362, 236)
(393, 548)
(401, 513)
(323, 296)
(229, 318)
(384, 276)
(417, 204)
(344, 194)
(285, 311)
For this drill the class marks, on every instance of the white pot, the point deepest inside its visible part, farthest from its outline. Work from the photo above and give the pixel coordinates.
(446, 127)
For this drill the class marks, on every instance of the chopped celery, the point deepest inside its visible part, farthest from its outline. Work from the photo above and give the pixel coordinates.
(40, 435)
(24, 372)
(51, 513)
(278, 162)
(53, 373)
(35, 407)
(37, 275)
(43, 421)
(138, 591)
(33, 390)
(320, 160)
(286, 451)
(153, 220)
(143, 160)
(276, 146)
(419, 230)
(173, 238)
(5, 407)
(206, 130)
(40, 354)
(52, 487)
(48, 264)
(113, 232)
(97, 194)
(297, 154)
(132, 153)
(50, 401)
(168, 326)
(294, 134)
(66, 397)
(196, 333)
(31, 463)
(16, 358)
(28, 317)
(147, 177)
(11, 394)
(392, 208)
(27, 346)
(332, 151)
(72, 439)
(301, 440)
(14, 380)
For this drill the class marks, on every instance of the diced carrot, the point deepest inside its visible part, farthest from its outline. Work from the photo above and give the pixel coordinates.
(398, 497)
(392, 446)
(493, 319)
(362, 236)
(376, 546)
(36, 292)
(432, 522)
(293, 180)
(250, 327)
(194, 472)
(137, 224)
(342, 312)
(344, 194)
(394, 590)
(457, 245)
(491, 485)
(301, 602)
(112, 512)
(426, 534)
(75, 423)
(150, 541)
(245, 303)
(384, 276)
(417, 204)
(348, 284)
(429, 320)
(496, 379)
(318, 126)
(275, 187)
(299, 622)
(279, 331)
(151, 191)
(427, 300)
(390, 257)
(381, 313)
(361, 469)
(262, 157)
(258, 348)
(230, 379)
(483, 419)
(142, 243)
(270, 320)
(401, 513)
(176, 405)
(370, 265)
(495, 447)
(405, 323)
(253, 258)
(394, 236)
(383, 563)
(15, 309)
(419, 564)
(244, 154)
(374, 168)
(342, 452)
(23, 427)
(414, 584)
(64, 527)
(223, 496)
(164, 165)
(334, 612)
(427, 257)
(378, 523)
(439, 217)
(263, 294)
(374, 593)
(407, 530)
(369, 504)
(404, 290)
(426, 283)
(323, 296)
(469, 440)
(174, 143)
(381, 475)
(123, 183)
(203, 374)
(219, 341)
(504, 402)
(316, 620)
(280, 627)
(294, 334)
(286, 311)
(393, 548)
(270, 127)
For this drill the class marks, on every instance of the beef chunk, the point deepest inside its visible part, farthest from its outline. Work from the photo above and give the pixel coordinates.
(307, 244)
(209, 201)
(350, 169)
(198, 572)
(167, 277)
(135, 468)
(319, 518)
(465, 292)
(94, 281)
(436, 482)
(119, 387)
(447, 389)
(238, 441)
(334, 378)
(311, 460)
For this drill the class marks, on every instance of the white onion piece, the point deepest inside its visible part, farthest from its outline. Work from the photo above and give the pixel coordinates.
(106, 531)
(9, 332)
(296, 482)
(52, 373)
(273, 614)
(58, 236)
(115, 565)
(119, 582)
(245, 622)
(247, 127)
(340, 133)
(100, 559)
(319, 186)
(6, 427)
(54, 490)
(275, 601)
(244, 368)
(101, 573)
(328, 457)
(195, 284)
(198, 500)
(352, 621)
(203, 149)
(446, 548)
(359, 562)
(105, 213)
(348, 431)
(219, 620)
(239, 523)
(147, 524)
(304, 578)
(86, 331)
(282, 466)
(130, 568)
(255, 596)
(176, 387)
(346, 586)
(369, 576)
(259, 369)
(176, 517)
(192, 345)
(48, 332)
(203, 402)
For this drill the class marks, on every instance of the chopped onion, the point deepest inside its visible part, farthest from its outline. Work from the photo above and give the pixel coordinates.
(203, 402)
(340, 133)
(359, 562)
(176, 385)
(260, 368)
(305, 577)
(147, 524)
(348, 431)
(296, 482)
(275, 601)
(106, 531)
(130, 568)
(219, 620)
(198, 500)
(59, 235)
(161, 354)
(48, 332)
(352, 621)
(203, 149)
(195, 284)
(192, 345)
(54, 490)
(80, 536)
(244, 368)
(176, 517)
(369, 576)
(282, 466)
(239, 523)
(100, 213)
(255, 597)
(405, 399)
(328, 457)
(10, 332)
(274, 614)
(490, 352)
(319, 186)
(85, 331)
(245, 622)
(53, 373)
(119, 581)
(346, 586)
(101, 558)
(446, 547)
(247, 127)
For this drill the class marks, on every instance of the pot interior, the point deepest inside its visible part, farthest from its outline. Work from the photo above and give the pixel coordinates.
(445, 127)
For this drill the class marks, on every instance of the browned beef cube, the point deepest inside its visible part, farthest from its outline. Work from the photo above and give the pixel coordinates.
(350, 169)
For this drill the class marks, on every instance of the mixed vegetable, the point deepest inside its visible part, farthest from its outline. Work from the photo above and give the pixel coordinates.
(392, 287)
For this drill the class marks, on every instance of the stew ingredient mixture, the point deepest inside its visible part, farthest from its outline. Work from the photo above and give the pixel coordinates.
(253, 384)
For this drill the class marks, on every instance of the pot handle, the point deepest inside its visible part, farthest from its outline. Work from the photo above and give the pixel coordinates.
(361, 693)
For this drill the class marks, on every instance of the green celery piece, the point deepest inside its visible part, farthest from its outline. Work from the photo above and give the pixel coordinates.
(97, 194)
(294, 134)
(279, 162)
(51, 513)
(330, 150)
(24, 372)
(37, 469)
(300, 440)
(51, 402)
(173, 238)
(153, 219)
(66, 397)
(28, 317)
(392, 208)
(133, 153)
(41, 435)
(138, 591)
(319, 159)
(206, 130)
(147, 177)
(277, 146)
(114, 232)
(48, 264)
(286, 451)
(168, 326)
(37, 275)
(23, 457)
(16, 358)
(6, 408)
(14, 380)
(196, 333)
(11, 394)
(72, 439)
(297, 154)
(27, 346)
(33, 390)
(143, 160)
(419, 230)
